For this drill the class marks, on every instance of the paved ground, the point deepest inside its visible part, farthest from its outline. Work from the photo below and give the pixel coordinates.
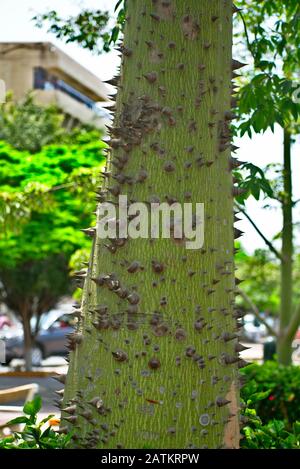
(47, 386)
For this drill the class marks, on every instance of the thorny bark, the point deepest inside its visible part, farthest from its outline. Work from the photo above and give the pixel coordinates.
(155, 361)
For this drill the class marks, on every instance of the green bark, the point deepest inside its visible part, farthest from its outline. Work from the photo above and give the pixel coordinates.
(284, 342)
(156, 366)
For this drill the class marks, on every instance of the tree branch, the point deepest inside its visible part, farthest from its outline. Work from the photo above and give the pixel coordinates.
(268, 243)
(256, 312)
(294, 324)
(247, 36)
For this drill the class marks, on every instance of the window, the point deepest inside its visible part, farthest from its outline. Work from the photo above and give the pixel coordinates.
(45, 81)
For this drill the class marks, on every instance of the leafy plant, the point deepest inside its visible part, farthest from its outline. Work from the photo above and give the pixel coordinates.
(34, 435)
(273, 391)
(252, 181)
(272, 42)
(266, 397)
(273, 435)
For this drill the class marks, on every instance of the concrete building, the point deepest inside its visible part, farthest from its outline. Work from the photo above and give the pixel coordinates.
(55, 78)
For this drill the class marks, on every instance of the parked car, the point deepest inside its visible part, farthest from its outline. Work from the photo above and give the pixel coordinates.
(50, 340)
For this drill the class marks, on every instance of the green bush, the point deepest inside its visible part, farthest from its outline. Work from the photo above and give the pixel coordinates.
(273, 435)
(280, 388)
(271, 397)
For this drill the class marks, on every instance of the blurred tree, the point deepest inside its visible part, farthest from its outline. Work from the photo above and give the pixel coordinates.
(261, 272)
(271, 38)
(33, 287)
(29, 126)
(37, 240)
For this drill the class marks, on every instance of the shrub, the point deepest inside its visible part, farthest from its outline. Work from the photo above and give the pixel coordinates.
(271, 398)
(33, 435)
(273, 435)
(278, 389)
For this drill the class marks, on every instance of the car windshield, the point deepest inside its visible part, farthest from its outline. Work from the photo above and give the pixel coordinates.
(48, 320)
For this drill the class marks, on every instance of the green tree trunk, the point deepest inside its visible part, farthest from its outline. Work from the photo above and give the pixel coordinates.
(284, 343)
(155, 360)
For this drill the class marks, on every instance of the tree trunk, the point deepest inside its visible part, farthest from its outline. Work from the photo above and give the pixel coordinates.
(154, 362)
(284, 345)
(27, 341)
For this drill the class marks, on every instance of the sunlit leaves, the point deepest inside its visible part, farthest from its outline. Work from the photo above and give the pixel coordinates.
(46, 197)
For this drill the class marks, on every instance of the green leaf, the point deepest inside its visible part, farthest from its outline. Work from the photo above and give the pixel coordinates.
(33, 407)
(114, 34)
(18, 420)
(45, 420)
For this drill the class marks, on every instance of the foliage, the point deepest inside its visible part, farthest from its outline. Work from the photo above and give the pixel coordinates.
(91, 29)
(256, 435)
(38, 240)
(28, 126)
(68, 174)
(271, 398)
(267, 98)
(34, 435)
(272, 435)
(261, 274)
(252, 181)
(16, 207)
(273, 391)
(272, 37)
(266, 93)
(261, 278)
(56, 175)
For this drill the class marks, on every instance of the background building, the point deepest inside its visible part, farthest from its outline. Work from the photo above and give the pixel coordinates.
(55, 78)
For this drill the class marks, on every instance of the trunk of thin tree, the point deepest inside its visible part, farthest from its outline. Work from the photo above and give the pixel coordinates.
(27, 341)
(284, 343)
(154, 363)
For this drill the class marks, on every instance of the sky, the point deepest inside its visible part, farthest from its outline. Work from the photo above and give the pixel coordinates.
(16, 25)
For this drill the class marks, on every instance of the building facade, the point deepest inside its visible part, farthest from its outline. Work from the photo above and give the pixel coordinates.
(55, 78)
